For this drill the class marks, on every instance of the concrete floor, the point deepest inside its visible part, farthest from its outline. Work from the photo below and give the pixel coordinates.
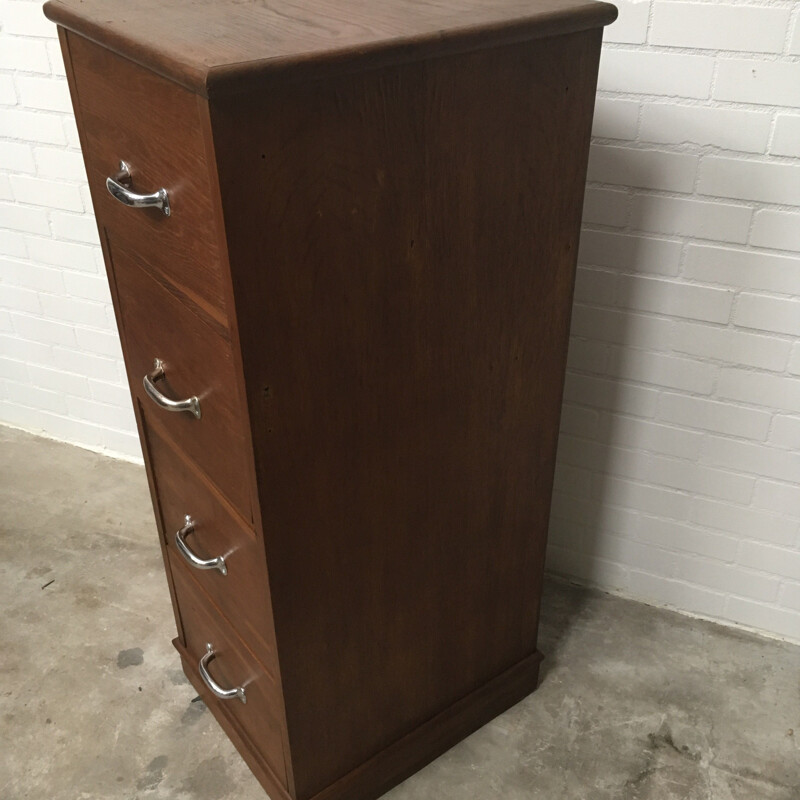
(634, 702)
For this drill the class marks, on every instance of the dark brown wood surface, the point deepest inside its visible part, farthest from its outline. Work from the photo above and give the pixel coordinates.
(130, 114)
(197, 285)
(216, 46)
(246, 746)
(235, 665)
(436, 735)
(242, 593)
(154, 323)
(369, 286)
(402, 245)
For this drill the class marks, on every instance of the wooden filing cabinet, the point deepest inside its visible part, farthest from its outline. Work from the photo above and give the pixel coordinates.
(341, 242)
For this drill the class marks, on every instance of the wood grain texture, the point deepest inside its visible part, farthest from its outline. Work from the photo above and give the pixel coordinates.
(248, 749)
(242, 595)
(370, 288)
(130, 114)
(154, 323)
(235, 665)
(248, 475)
(404, 332)
(218, 46)
(63, 37)
(435, 736)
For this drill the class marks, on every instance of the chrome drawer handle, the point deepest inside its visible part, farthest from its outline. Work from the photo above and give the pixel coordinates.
(119, 188)
(216, 689)
(193, 558)
(192, 404)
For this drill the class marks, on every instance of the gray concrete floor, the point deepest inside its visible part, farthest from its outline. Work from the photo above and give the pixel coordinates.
(634, 702)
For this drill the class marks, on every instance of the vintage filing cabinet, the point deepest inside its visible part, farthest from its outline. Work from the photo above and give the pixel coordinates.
(341, 241)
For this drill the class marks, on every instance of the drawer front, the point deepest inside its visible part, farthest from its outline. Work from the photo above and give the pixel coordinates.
(237, 585)
(233, 666)
(129, 113)
(197, 362)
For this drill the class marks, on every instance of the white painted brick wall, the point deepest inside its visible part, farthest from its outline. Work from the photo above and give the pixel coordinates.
(678, 470)
(61, 370)
(680, 450)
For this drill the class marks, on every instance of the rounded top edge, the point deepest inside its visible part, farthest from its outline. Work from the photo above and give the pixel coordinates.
(225, 46)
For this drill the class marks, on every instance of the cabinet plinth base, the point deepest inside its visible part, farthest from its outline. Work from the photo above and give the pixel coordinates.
(407, 755)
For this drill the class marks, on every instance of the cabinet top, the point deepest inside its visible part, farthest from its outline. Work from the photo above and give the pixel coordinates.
(220, 46)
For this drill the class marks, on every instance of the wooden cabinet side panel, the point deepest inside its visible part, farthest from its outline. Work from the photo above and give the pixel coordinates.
(403, 245)
(252, 476)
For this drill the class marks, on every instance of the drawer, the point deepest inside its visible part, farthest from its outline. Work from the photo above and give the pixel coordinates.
(129, 113)
(197, 362)
(233, 666)
(238, 585)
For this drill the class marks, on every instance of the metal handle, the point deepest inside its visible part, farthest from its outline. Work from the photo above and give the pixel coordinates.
(119, 188)
(192, 404)
(193, 558)
(216, 689)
